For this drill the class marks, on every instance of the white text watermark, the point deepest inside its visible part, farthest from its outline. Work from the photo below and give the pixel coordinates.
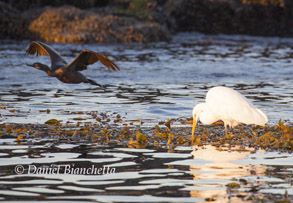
(63, 169)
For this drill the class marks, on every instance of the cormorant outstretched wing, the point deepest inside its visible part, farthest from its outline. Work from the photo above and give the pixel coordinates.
(41, 49)
(87, 57)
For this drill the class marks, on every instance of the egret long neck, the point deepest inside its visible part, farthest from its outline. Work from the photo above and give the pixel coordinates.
(207, 117)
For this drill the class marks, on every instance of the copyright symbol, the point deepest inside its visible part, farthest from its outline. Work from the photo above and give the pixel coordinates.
(19, 169)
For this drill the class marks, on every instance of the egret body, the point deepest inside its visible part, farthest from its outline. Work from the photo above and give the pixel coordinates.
(228, 105)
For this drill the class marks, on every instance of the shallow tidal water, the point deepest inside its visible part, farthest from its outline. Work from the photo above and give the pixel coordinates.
(187, 174)
(157, 81)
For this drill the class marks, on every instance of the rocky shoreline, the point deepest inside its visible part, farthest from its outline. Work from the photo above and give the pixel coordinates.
(124, 21)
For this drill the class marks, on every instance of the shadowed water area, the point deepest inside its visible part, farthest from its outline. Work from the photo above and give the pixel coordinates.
(157, 82)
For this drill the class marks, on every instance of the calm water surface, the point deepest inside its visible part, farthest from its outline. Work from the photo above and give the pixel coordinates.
(157, 82)
(187, 174)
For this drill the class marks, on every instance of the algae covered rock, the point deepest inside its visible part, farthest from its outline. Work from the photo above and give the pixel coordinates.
(72, 25)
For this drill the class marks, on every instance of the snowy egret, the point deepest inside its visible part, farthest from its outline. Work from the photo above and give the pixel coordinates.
(68, 73)
(228, 105)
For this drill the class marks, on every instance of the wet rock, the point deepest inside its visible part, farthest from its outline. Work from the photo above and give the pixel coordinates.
(11, 23)
(288, 6)
(263, 17)
(24, 5)
(72, 25)
(200, 15)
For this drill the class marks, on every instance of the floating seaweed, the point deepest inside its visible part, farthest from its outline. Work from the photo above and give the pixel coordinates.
(112, 129)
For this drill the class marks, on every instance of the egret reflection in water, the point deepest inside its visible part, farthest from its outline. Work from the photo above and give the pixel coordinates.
(210, 179)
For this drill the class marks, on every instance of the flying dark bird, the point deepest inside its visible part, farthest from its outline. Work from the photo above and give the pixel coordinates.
(68, 73)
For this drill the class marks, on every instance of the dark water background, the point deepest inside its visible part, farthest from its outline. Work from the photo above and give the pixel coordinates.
(157, 81)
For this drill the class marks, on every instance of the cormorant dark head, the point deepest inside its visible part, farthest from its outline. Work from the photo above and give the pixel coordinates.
(39, 66)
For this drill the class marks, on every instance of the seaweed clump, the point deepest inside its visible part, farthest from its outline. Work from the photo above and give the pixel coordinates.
(112, 129)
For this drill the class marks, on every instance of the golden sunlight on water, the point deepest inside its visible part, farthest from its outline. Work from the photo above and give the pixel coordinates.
(212, 177)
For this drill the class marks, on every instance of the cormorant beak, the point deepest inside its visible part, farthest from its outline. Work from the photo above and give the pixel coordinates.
(194, 125)
(30, 65)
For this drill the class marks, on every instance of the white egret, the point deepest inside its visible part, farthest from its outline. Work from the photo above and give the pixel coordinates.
(228, 105)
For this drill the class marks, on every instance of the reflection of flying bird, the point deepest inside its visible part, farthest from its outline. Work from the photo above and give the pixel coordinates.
(68, 73)
(228, 105)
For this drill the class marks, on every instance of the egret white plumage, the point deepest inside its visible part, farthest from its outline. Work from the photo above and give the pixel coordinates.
(228, 105)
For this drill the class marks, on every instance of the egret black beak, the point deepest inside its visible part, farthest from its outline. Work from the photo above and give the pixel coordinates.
(194, 125)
